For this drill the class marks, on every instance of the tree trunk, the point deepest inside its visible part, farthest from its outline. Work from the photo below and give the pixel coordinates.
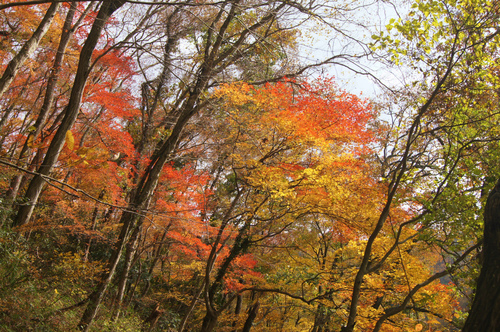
(484, 314)
(237, 311)
(122, 283)
(28, 48)
(93, 224)
(252, 314)
(66, 34)
(128, 219)
(72, 110)
(209, 322)
(183, 323)
(156, 258)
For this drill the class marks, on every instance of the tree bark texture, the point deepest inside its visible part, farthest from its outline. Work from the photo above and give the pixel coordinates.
(122, 282)
(484, 315)
(72, 110)
(252, 314)
(28, 48)
(66, 34)
(209, 322)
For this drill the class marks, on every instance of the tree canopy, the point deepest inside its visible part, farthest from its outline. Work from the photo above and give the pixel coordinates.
(194, 166)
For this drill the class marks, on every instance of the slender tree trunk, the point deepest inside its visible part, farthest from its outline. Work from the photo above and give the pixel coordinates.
(28, 48)
(484, 314)
(252, 314)
(5, 115)
(212, 315)
(122, 283)
(156, 258)
(133, 284)
(66, 34)
(195, 299)
(93, 224)
(128, 219)
(57, 143)
(237, 311)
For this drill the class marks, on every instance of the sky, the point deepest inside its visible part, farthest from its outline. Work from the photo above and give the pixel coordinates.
(359, 24)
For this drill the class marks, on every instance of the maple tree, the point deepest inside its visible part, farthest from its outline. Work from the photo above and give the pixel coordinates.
(271, 168)
(181, 166)
(70, 113)
(28, 48)
(438, 124)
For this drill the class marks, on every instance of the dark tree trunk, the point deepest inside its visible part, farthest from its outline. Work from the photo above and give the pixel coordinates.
(209, 322)
(122, 283)
(252, 314)
(237, 311)
(72, 110)
(28, 48)
(484, 315)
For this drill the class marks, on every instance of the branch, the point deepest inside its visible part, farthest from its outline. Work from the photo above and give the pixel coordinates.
(149, 3)
(48, 180)
(395, 310)
(279, 291)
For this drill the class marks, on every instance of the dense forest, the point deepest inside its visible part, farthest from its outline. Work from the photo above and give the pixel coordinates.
(201, 165)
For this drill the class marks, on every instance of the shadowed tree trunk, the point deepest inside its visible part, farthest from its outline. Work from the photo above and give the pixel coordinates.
(237, 311)
(28, 48)
(252, 314)
(131, 248)
(484, 315)
(66, 33)
(72, 110)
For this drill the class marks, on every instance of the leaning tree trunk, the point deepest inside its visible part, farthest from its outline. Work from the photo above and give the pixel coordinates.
(252, 314)
(122, 283)
(484, 315)
(72, 110)
(66, 33)
(28, 48)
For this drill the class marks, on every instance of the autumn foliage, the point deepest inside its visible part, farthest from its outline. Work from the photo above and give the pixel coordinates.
(205, 182)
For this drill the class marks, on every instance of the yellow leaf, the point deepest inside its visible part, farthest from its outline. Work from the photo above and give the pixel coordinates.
(70, 140)
(418, 327)
(30, 141)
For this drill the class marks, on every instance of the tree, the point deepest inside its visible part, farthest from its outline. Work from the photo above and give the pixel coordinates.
(442, 46)
(71, 112)
(28, 48)
(482, 315)
(285, 149)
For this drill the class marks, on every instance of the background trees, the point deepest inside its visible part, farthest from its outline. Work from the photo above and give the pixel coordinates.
(180, 165)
